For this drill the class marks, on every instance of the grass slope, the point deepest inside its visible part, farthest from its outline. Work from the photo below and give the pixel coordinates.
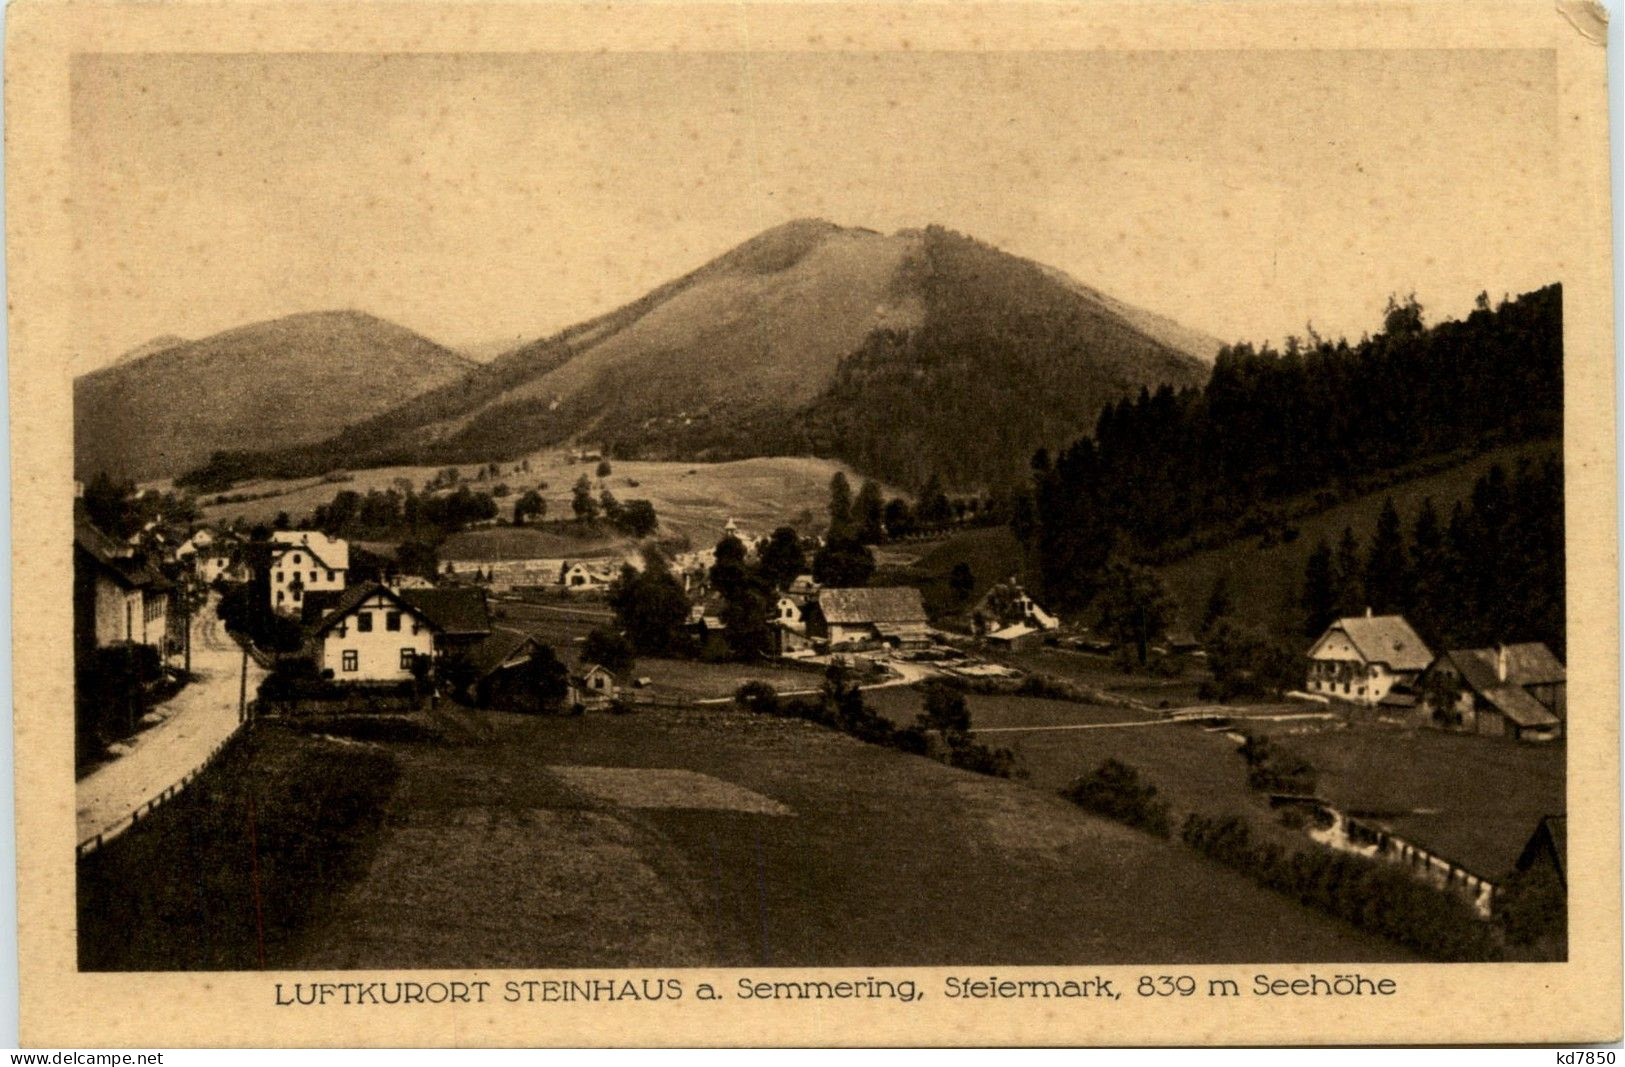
(491, 859)
(693, 500)
(271, 384)
(1266, 580)
(233, 867)
(992, 553)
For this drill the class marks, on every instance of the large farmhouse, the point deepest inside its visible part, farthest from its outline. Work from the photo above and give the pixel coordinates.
(867, 617)
(118, 597)
(1361, 659)
(304, 562)
(1517, 691)
(372, 635)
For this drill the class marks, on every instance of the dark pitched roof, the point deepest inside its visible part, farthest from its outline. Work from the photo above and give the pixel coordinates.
(120, 561)
(499, 645)
(888, 604)
(1527, 664)
(317, 604)
(357, 595)
(1515, 703)
(454, 609)
(585, 670)
(1551, 837)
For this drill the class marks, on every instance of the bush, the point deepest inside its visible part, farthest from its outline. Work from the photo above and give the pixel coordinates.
(759, 697)
(1372, 895)
(1114, 790)
(111, 694)
(841, 707)
(608, 648)
(1533, 910)
(1272, 769)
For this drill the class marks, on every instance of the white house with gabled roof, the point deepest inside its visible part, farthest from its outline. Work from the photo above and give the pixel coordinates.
(1362, 658)
(372, 634)
(305, 561)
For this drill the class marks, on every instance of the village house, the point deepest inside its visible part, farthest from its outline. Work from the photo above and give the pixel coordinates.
(212, 565)
(1363, 658)
(305, 562)
(118, 596)
(202, 540)
(890, 615)
(790, 638)
(213, 557)
(584, 576)
(372, 635)
(496, 678)
(705, 624)
(1518, 691)
(461, 615)
(592, 686)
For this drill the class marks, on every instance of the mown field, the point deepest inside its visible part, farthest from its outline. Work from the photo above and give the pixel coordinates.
(659, 838)
(563, 626)
(1101, 672)
(709, 837)
(693, 500)
(533, 542)
(1266, 580)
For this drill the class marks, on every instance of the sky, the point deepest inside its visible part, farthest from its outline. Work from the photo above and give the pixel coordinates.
(486, 196)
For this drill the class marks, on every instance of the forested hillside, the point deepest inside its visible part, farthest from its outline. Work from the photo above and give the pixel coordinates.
(1173, 470)
(1488, 570)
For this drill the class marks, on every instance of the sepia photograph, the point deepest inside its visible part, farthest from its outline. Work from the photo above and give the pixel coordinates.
(571, 510)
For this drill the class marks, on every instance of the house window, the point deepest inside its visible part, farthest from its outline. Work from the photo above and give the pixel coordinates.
(298, 594)
(313, 576)
(330, 576)
(408, 657)
(296, 559)
(281, 577)
(363, 622)
(279, 596)
(352, 660)
(392, 621)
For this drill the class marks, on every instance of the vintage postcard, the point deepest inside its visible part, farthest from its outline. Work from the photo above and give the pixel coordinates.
(851, 523)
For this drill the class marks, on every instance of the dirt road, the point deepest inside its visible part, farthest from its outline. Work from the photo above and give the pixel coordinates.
(196, 721)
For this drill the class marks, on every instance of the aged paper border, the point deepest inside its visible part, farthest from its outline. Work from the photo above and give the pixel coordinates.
(1437, 1004)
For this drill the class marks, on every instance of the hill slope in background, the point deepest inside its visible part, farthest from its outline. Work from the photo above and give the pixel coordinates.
(271, 384)
(892, 352)
(1265, 576)
(147, 348)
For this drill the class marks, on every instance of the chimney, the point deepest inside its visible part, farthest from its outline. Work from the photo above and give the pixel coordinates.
(1500, 663)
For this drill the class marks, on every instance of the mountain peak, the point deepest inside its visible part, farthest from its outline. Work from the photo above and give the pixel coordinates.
(281, 382)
